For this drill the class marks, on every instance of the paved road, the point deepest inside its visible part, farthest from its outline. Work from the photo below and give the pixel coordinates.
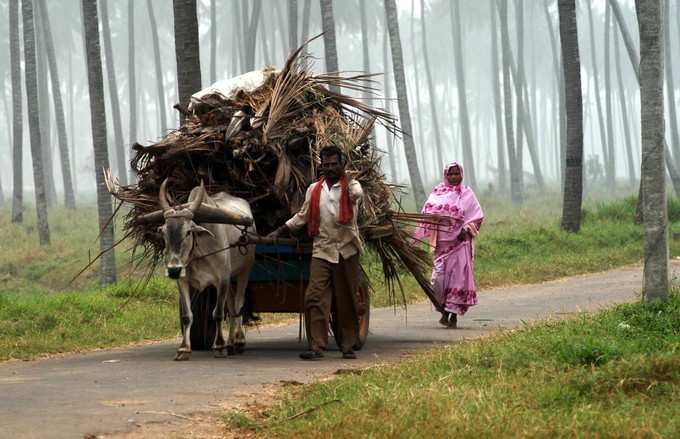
(113, 391)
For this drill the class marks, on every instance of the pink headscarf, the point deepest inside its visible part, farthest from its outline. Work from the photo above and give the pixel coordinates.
(458, 202)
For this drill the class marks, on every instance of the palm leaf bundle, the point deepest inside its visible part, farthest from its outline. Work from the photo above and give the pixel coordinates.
(262, 145)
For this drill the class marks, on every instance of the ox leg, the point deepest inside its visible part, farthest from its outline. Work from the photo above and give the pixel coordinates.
(237, 337)
(187, 317)
(218, 317)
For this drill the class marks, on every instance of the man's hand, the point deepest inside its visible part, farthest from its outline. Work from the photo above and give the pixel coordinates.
(283, 230)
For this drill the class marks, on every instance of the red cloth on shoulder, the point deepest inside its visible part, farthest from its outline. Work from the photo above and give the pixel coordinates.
(314, 218)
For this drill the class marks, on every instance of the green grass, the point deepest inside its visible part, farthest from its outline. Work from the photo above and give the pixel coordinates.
(42, 314)
(614, 374)
(35, 324)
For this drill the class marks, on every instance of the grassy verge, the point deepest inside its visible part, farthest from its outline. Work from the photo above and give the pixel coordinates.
(38, 316)
(615, 374)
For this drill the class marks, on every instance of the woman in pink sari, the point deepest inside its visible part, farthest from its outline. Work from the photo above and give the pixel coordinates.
(453, 241)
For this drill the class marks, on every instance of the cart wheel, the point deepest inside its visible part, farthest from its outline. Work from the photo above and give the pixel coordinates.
(203, 328)
(363, 324)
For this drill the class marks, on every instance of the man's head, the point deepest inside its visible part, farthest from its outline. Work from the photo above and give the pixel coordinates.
(332, 162)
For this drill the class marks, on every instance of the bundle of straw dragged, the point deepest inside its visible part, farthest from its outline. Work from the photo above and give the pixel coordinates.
(261, 143)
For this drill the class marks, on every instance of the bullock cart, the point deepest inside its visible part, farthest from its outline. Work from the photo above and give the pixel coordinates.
(257, 138)
(277, 285)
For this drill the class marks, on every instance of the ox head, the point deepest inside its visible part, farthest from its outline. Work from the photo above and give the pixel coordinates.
(179, 230)
(180, 225)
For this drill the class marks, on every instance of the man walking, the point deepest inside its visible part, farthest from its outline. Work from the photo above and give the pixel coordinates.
(330, 212)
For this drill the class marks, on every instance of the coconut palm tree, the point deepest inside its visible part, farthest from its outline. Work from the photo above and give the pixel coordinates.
(571, 63)
(213, 42)
(516, 181)
(98, 121)
(652, 132)
(69, 197)
(17, 116)
(44, 106)
(392, 19)
(292, 25)
(560, 113)
(329, 43)
(596, 79)
(610, 165)
(119, 147)
(34, 121)
(624, 112)
(186, 50)
(160, 89)
(495, 83)
(458, 57)
(132, 82)
(251, 22)
(432, 95)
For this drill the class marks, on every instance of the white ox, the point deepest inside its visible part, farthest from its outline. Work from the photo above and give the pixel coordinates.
(195, 233)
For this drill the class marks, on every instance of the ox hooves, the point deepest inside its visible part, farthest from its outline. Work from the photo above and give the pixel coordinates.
(236, 349)
(183, 356)
(219, 352)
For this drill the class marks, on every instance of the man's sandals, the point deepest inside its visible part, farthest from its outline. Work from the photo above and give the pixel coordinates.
(317, 355)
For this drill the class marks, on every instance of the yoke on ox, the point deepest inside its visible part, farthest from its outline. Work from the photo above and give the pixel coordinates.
(197, 238)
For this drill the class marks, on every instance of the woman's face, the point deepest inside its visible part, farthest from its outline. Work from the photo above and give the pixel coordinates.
(453, 176)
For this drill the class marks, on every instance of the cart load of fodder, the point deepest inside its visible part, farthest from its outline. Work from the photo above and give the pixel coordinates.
(257, 136)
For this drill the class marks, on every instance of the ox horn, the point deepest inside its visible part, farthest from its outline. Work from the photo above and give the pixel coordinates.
(193, 207)
(163, 197)
(210, 214)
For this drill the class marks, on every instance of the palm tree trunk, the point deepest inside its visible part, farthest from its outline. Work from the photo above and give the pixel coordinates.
(498, 114)
(402, 96)
(264, 41)
(420, 140)
(652, 132)
(306, 12)
(459, 56)
(433, 96)
(282, 28)
(596, 89)
(560, 106)
(238, 24)
(611, 164)
(71, 123)
(292, 25)
(516, 188)
(213, 42)
(119, 147)
(17, 115)
(69, 197)
(627, 38)
(98, 120)
(389, 137)
(132, 81)
(186, 51)
(624, 113)
(670, 87)
(635, 63)
(573, 184)
(329, 43)
(251, 35)
(44, 102)
(519, 140)
(34, 121)
(160, 88)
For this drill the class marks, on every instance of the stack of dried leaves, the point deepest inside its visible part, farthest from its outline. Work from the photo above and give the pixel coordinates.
(263, 145)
